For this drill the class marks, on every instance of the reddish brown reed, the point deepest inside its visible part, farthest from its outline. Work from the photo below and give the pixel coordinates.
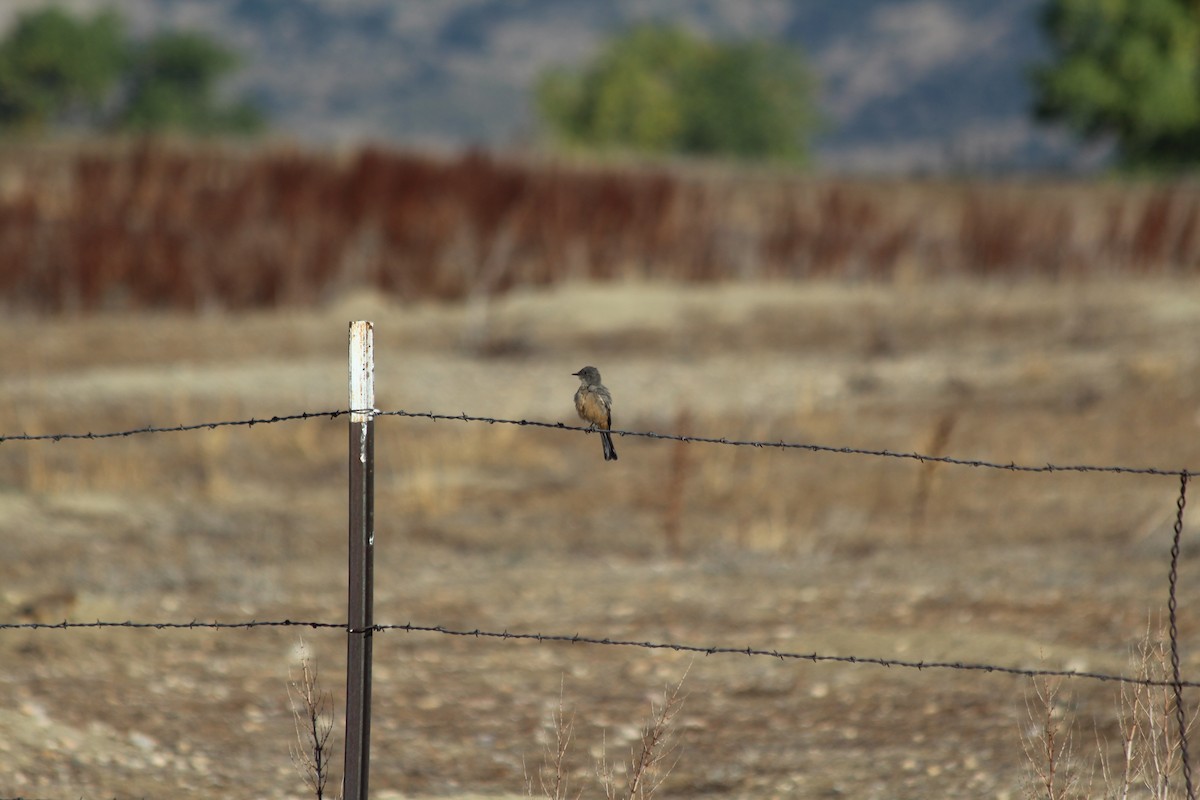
(157, 225)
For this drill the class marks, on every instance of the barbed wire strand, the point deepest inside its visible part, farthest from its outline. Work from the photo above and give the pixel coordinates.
(576, 638)
(1010, 466)
(1172, 603)
(148, 429)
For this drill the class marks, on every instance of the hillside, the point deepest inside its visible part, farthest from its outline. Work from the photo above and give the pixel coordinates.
(907, 86)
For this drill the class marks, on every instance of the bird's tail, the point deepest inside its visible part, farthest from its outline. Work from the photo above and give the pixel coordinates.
(610, 452)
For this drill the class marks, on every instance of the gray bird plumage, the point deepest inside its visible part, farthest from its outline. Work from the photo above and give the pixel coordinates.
(593, 401)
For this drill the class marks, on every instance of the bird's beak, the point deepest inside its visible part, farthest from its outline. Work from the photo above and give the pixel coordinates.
(575, 374)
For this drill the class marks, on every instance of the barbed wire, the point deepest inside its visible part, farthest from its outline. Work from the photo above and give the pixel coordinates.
(576, 638)
(1011, 466)
(197, 426)
(923, 458)
(1173, 630)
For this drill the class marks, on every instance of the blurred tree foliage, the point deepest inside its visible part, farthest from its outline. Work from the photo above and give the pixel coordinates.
(57, 70)
(171, 83)
(658, 89)
(1127, 70)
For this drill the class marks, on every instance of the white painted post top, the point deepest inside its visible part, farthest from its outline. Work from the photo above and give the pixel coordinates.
(362, 371)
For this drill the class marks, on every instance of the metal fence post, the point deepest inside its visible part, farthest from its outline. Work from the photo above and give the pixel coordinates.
(360, 616)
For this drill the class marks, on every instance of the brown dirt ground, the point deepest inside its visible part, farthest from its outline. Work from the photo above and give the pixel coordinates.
(500, 527)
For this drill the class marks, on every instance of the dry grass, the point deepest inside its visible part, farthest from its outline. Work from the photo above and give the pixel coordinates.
(1148, 761)
(512, 528)
(313, 714)
(1050, 747)
(1151, 757)
(553, 778)
(651, 758)
(161, 226)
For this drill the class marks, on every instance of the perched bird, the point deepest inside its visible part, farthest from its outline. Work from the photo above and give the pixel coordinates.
(594, 404)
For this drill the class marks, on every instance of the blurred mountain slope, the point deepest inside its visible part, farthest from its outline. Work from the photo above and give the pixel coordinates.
(906, 86)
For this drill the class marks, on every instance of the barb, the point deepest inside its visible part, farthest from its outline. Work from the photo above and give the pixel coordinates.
(1012, 466)
(576, 638)
(249, 423)
(1176, 682)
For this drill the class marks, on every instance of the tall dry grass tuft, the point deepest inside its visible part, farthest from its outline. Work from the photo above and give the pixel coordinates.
(312, 714)
(1049, 746)
(1150, 759)
(649, 763)
(1150, 746)
(554, 775)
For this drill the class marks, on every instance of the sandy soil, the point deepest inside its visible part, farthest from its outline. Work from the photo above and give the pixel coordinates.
(500, 527)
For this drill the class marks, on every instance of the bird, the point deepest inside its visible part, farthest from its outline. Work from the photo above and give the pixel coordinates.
(593, 401)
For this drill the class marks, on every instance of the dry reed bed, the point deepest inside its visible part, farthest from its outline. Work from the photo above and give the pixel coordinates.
(160, 225)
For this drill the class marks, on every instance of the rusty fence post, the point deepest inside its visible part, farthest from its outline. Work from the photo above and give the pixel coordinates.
(359, 614)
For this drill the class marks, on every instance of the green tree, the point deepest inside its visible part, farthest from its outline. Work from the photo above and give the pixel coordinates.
(1128, 70)
(57, 69)
(172, 83)
(662, 90)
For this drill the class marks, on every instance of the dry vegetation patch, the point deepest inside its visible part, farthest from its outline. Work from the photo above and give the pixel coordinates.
(502, 527)
(155, 225)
